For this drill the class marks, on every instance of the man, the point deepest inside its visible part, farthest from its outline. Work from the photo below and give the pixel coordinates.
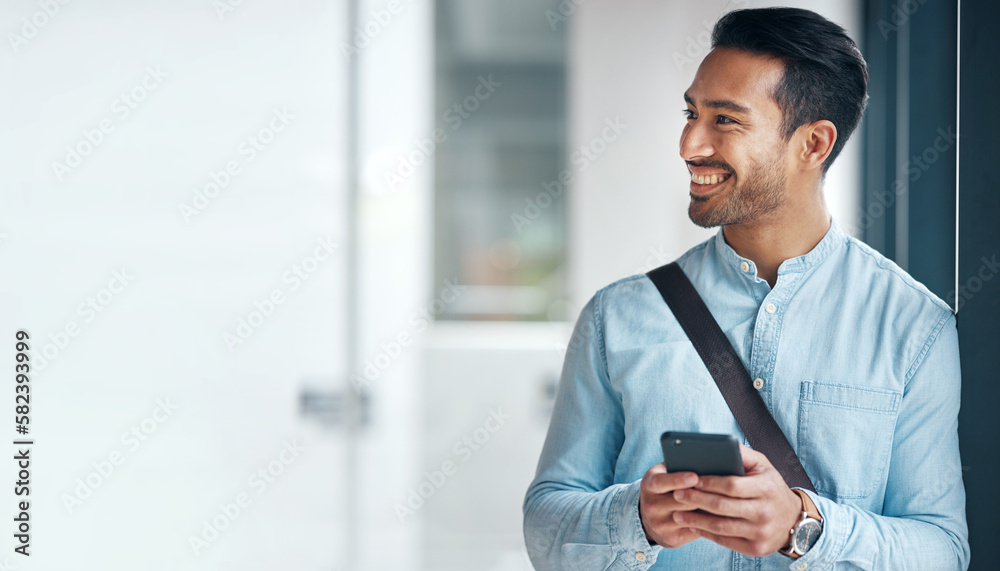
(857, 362)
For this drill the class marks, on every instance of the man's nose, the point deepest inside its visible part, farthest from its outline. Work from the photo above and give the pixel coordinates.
(696, 141)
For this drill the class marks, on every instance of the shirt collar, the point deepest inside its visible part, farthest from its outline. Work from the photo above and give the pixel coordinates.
(834, 238)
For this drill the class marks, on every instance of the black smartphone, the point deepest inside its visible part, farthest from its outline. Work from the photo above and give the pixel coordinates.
(703, 454)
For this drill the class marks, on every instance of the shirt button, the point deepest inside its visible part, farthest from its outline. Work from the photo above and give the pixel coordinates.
(758, 383)
(770, 308)
(802, 566)
(745, 267)
(640, 556)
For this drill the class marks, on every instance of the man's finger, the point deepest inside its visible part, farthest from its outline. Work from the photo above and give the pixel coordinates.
(732, 486)
(660, 507)
(753, 461)
(661, 482)
(681, 537)
(715, 503)
(735, 543)
(727, 526)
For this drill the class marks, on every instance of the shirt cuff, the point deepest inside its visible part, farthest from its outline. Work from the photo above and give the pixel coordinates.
(627, 535)
(825, 553)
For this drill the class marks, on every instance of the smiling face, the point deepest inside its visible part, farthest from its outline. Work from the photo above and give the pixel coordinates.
(733, 143)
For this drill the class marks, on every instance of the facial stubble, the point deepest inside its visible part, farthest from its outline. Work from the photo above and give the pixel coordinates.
(749, 199)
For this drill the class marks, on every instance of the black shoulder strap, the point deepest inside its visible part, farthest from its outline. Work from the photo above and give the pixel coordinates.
(732, 378)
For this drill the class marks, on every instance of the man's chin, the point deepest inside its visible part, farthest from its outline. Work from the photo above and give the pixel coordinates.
(701, 215)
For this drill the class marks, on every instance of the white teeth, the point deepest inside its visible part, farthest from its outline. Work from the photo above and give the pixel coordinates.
(708, 179)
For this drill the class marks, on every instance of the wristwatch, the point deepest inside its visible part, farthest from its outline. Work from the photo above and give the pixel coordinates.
(806, 532)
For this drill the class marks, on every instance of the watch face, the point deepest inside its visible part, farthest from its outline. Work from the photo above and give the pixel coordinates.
(806, 536)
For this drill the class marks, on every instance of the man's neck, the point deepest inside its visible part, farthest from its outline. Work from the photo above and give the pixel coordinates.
(771, 242)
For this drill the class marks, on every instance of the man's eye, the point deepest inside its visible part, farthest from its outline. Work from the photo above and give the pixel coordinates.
(688, 113)
(723, 120)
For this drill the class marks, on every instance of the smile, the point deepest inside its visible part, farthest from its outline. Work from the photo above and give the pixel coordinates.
(708, 179)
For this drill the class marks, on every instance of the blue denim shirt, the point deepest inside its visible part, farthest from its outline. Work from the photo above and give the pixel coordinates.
(860, 370)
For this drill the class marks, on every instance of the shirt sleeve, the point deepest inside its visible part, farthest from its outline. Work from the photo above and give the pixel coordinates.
(575, 517)
(922, 524)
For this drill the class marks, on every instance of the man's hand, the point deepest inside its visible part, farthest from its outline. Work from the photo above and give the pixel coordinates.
(657, 506)
(751, 514)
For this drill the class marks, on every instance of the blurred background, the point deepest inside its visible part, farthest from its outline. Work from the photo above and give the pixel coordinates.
(300, 275)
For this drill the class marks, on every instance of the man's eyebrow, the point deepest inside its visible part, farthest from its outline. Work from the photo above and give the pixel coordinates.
(720, 104)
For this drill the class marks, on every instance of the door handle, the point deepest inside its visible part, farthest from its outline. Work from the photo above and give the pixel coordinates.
(332, 408)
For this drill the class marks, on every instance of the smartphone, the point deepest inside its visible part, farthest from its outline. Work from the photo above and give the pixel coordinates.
(703, 454)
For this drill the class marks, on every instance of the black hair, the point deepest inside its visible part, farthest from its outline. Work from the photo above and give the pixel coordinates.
(825, 75)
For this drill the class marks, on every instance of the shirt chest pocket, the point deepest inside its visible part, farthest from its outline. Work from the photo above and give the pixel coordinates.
(845, 437)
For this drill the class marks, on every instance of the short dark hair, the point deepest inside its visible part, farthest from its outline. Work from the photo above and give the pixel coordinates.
(825, 75)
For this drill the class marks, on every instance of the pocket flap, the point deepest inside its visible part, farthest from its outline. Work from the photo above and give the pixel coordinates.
(852, 397)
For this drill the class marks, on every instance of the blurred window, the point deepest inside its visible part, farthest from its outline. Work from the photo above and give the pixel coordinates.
(500, 217)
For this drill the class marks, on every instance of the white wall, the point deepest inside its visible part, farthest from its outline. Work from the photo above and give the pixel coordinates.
(161, 337)
(395, 95)
(633, 59)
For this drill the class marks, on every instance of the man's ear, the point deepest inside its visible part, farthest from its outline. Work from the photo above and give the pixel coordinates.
(817, 140)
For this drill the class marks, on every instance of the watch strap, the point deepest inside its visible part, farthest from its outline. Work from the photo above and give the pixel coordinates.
(808, 505)
(809, 511)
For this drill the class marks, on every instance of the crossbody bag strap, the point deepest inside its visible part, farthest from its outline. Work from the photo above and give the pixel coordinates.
(732, 378)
